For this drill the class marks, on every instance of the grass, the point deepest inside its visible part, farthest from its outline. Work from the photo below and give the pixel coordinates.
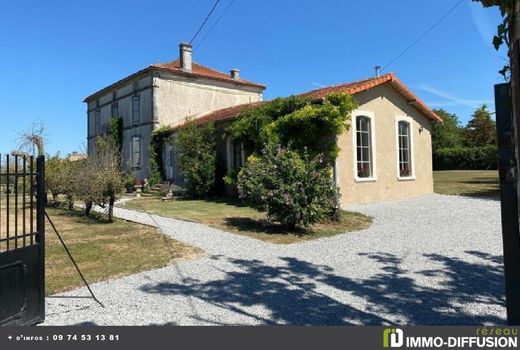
(102, 250)
(237, 218)
(473, 183)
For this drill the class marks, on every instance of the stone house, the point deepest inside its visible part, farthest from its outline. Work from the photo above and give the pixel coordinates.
(163, 94)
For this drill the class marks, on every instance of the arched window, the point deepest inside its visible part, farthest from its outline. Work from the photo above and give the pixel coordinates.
(405, 149)
(364, 152)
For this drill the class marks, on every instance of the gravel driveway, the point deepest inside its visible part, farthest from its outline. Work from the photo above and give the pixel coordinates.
(429, 260)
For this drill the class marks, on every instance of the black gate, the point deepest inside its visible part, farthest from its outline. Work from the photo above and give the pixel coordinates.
(22, 240)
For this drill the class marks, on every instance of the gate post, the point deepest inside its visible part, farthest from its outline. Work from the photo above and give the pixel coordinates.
(508, 200)
(40, 226)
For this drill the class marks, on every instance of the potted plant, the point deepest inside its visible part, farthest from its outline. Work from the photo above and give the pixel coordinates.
(129, 184)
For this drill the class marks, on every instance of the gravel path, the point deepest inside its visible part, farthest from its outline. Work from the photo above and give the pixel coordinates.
(429, 260)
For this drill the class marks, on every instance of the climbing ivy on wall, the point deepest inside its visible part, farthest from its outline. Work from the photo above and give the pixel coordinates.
(157, 140)
(306, 124)
(115, 132)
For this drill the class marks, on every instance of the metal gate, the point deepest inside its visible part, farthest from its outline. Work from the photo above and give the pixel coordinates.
(22, 240)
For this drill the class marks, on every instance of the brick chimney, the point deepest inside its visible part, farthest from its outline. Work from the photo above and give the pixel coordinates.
(185, 56)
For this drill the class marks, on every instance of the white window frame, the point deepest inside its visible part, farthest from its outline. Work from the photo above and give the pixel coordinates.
(369, 115)
(409, 120)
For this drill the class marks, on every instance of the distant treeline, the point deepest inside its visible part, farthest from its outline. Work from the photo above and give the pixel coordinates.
(470, 147)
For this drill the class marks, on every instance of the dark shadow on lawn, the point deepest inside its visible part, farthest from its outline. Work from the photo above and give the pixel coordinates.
(260, 226)
(79, 216)
(216, 200)
(292, 295)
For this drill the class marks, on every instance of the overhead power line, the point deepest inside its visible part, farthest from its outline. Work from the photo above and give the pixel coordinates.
(214, 24)
(423, 35)
(205, 20)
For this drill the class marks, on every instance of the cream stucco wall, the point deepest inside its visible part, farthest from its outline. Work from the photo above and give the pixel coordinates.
(385, 105)
(177, 97)
(165, 99)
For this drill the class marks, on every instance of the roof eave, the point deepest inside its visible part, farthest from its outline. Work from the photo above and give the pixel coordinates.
(117, 83)
(184, 73)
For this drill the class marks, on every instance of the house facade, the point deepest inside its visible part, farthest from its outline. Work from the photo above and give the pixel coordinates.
(386, 154)
(162, 95)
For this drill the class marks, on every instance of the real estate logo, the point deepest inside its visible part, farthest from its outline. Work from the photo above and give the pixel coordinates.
(393, 338)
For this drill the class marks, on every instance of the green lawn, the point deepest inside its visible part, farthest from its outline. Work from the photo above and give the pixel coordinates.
(104, 250)
(475, 183)
(237, 218)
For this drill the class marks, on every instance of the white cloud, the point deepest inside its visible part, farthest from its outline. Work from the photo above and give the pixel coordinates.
(452, 100)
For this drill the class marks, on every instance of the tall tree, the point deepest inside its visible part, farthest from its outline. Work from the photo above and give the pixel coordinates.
(447, 134)
(481, 129)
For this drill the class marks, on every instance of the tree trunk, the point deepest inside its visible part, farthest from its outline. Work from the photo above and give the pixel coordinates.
(111, 209)
(70, 202)
(88, 208)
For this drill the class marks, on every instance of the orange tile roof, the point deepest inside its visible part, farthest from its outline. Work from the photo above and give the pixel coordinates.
(349, 88)
(198, 70)
(366, 84)
(221, 115)
(204, 72)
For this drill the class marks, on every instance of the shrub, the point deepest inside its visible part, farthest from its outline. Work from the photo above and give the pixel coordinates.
(198, 157)
(294, 190)
(466, 158)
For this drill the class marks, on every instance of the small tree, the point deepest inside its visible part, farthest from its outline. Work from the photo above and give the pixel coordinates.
(198, 157)
(294, 190)
(102, 178)
(71, 180)
(54, 175)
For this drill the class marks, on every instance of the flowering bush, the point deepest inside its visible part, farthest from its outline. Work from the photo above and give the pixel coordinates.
(294, 190)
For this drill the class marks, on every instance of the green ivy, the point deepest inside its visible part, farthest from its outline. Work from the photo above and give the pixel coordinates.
(196, 146)
(115, 132)
(156, 166)
(306, 124)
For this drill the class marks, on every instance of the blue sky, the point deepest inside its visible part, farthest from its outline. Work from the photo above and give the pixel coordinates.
(53, 53)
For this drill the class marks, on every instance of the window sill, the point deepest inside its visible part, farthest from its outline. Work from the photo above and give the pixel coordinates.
(408, 178)
(365, 179)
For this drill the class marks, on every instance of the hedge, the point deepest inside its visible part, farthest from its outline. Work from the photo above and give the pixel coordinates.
(466, 158)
